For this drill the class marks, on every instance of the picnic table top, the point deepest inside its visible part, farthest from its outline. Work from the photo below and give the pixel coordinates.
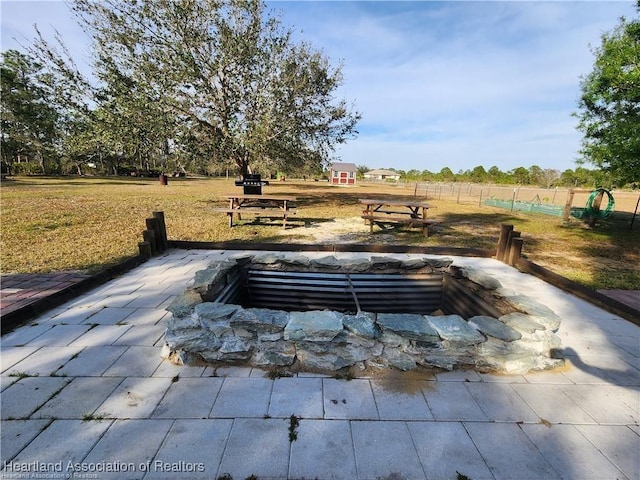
(262, 197)
(383, 201)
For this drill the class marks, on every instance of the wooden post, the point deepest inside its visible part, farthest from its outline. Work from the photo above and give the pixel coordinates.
(516, 250)
(567, 206)
(507, 251)
(154, 224)
(145, 249)
(502, 240)
(480, 201)
(150, 236)
(163, 229)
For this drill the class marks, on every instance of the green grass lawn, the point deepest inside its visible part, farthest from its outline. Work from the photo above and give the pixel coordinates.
(54, 224)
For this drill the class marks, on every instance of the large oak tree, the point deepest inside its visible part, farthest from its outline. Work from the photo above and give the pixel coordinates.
(230, 76)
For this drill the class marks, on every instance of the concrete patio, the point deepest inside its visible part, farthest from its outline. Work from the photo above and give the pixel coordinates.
(85, 394)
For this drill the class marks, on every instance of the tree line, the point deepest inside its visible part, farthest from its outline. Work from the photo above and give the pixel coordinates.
(534, 175)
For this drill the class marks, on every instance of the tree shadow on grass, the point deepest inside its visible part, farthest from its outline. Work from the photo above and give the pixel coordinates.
(472, 230)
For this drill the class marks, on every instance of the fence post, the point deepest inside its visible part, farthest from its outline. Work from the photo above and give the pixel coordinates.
(505, 229)
(567, 206)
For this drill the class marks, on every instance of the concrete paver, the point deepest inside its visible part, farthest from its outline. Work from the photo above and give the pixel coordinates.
(383, 449)
(451, 401)
(445, 449)
(243, 397)
(352, 400)
(192, 449)
(10, 356)
(92, 361)
(17, 434)
(508, 452)
(323, 449)
(189, 398)
(136, 361)
(395, 403)
(47, 361)
(619, 444)
(63, 441)
(501, 403)
(100, 335)
(296, 396)
(135, 397)
(98, 357)
(257, 446)
(570, 453)
(59, 336)
(80, 398)
(128, 447)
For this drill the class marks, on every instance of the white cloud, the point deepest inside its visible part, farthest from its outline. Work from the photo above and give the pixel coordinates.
(461, 83)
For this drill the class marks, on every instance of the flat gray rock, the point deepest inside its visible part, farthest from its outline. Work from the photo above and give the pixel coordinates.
(542, 313)
(455, 329)
(215, 311)
(408, 325)
(329, 262)
(356, 264)
(495, 328)
(313, 326)
(481, 278)
(362, 324)
(522, 322)
(400, 360)
(278, 353)
(262, 320)
(184, 303)
(383, 263)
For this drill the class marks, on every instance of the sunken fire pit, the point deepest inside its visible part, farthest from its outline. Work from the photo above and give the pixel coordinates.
(327, 314)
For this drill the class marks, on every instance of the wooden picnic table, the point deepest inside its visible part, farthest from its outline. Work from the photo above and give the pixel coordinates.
(267, 206)
(383, 212)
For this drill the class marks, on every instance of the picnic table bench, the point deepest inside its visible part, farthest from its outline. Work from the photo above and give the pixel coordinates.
(262, 206)
(385, 212)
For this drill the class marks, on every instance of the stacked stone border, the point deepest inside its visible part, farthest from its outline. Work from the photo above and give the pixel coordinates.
(202, 330)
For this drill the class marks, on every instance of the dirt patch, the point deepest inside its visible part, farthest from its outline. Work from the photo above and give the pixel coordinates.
(339, 230)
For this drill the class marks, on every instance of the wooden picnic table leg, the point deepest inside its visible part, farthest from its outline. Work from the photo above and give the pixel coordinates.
(425, 229)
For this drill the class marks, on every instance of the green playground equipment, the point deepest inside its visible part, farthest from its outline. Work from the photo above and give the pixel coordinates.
(591, 210)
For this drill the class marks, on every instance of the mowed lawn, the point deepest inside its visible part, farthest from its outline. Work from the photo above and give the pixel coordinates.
(85, 224)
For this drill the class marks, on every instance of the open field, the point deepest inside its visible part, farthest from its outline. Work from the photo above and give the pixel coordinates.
(53, 224)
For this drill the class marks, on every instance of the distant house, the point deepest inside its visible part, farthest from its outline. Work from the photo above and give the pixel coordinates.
(342, 174)
(382, 174)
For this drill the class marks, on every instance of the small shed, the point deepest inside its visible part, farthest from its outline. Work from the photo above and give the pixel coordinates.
(342, 174)
(382, 174)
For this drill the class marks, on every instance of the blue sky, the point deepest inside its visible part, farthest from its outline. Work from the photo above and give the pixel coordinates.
(439, 84)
